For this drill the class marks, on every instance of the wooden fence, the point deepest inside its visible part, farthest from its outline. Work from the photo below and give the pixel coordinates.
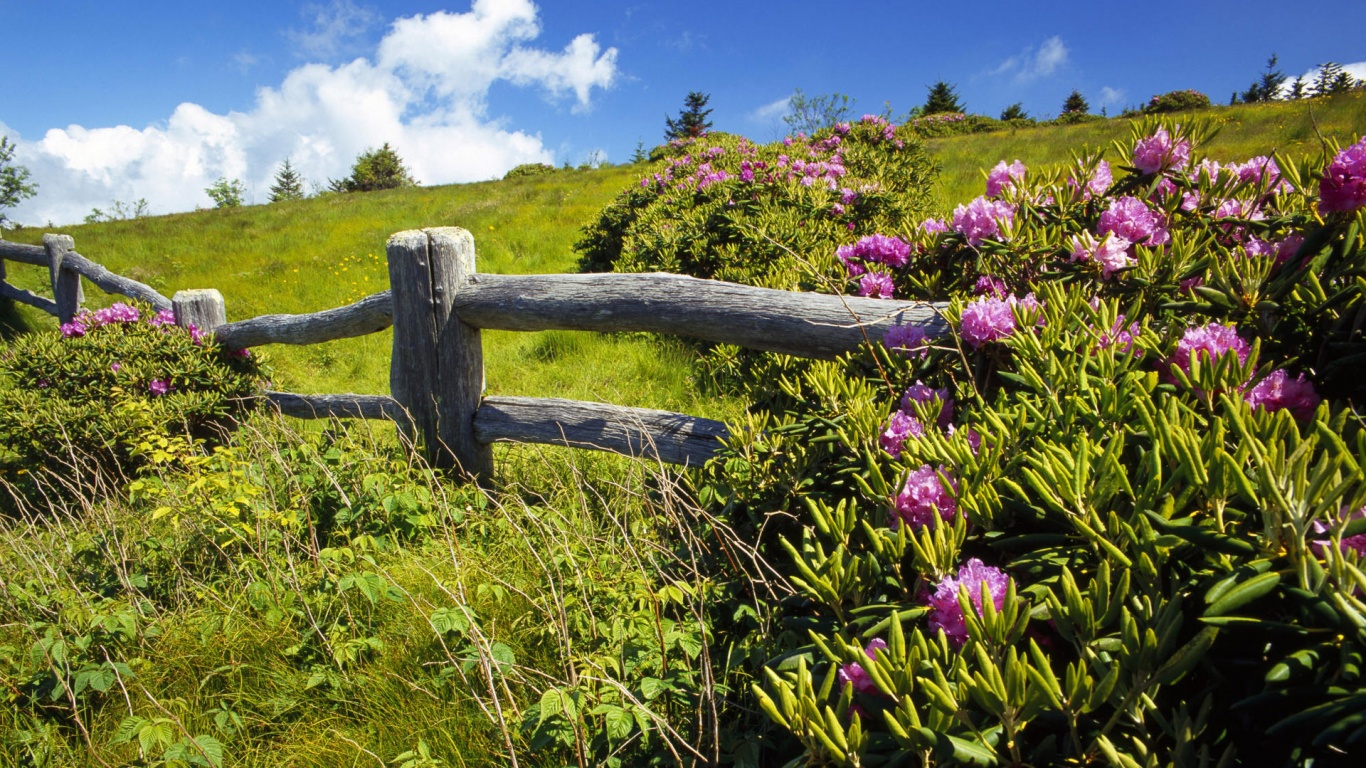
(438, 304)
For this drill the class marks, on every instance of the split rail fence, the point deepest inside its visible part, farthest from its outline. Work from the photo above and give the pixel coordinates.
(438, 304)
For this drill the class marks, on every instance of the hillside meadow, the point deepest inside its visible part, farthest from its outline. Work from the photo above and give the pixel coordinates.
(1049, 539)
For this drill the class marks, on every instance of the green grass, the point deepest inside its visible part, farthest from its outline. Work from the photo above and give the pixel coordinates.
(1290, 128)
(326, 252)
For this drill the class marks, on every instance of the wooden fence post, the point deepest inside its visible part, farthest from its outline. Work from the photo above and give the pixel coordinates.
(66, 283)
(203, 308)
(437, 370)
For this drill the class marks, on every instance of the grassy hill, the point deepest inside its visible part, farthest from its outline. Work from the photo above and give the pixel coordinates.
(325, 252)
(1293, 129)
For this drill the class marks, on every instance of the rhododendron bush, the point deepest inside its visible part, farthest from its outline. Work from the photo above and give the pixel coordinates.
(1116, 516)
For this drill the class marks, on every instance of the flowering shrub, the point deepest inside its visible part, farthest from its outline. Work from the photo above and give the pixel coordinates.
(1126, 526)
(61, 395)
(1176, 101)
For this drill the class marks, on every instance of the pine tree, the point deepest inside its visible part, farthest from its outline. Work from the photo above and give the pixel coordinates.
(1268, 86)
(692, 121)
(1332, 79)
(289, 185)
(375, 169)
(1076, 104)
(1014, 112)
(942, 98)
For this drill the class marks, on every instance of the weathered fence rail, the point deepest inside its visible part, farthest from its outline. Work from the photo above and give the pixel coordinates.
(439, 303)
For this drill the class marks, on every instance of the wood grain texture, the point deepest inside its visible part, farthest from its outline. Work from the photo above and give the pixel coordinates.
(203, 308)
(804, 324)
(370, 314)
(66, 282)
(335, 406)
(30, 298)
(673, 438)
(23, 253)
(437, 368)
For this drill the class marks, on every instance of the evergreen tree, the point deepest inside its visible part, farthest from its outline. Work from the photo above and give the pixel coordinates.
(375, 169)
(1332, 79)
(289, 185)
(1298, 88)
(1014, 112)
(1076, 103)
(14, 184)
(692, 121)
(942, 98)
(1268, 86)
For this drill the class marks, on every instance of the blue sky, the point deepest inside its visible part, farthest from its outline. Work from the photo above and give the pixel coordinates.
(121, 101)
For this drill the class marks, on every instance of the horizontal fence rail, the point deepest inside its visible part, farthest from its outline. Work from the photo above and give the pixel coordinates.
(438, 304)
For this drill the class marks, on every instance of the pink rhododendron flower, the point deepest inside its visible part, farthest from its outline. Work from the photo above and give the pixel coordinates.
(1159, 152)
(1120, 336)
(115, 366)
(1190, 201)
(1263, 170)
(1100, 181)
(1288, 248)
(117, 312)
(982, 219)
(1343, 187)
(1355, 544)
(990, 286)
(1207, 167)
(989, 319)
(854, 674)
(1131, 219)
(1208, 344)
(982, 581)
(1110, 252)
(919, 392)
(877, 285)
(934, 226)
(924, 500)
(876, 249)
(162, 318)
(907, 339)
(73, 329)
(1279, 391)
(159, 387)
(902, 426)
(1003, 176)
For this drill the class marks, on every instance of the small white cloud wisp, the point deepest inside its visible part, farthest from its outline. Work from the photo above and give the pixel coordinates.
(1034, 63)
(424, 92)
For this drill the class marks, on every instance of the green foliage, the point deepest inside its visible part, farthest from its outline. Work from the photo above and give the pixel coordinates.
(692, 120)
(942, 97)
(529, 169)
(118, 211)
(226, 193)
(288, 184)
(1176, 101)
(1014, 112)
(1075, 103)
(1268, 86)
(14, 184)
(375, 169)
(1332, 79)
(73, 410)
(813, 114)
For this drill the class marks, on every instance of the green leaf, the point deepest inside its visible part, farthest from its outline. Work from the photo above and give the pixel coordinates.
(1244, 593)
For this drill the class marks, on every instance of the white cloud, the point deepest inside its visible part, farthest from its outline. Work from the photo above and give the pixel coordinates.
(425, 92)
(1110, 96)
(772, 110)
(1034, 63)
(336, 29)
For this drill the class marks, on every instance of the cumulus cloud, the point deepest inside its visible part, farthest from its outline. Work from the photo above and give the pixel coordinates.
(772, 110)
(424, 91)
(1034, 63)
(336, 29)
(1355, 69)
(1110, 96)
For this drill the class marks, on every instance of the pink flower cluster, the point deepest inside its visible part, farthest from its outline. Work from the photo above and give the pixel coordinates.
(873, 249)
(1278, 391)
(1208, 344)
(1097, 185)
(1003, 176)
(1159, 152)
(924, 499)
(112, 314)
(907, 339)
(854, 674)
(1211, 343)
(1354, 544)
(1131, 219)
(983, 218)
(906, 421)
(1343, 187)
(1110, 252)
(991, 319)
(982, 582)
